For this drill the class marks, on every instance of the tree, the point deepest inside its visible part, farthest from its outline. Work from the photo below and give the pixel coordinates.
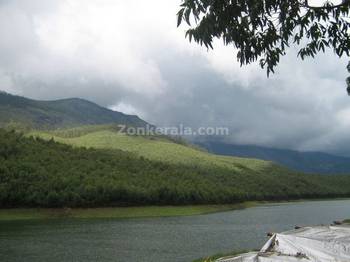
(264, 29)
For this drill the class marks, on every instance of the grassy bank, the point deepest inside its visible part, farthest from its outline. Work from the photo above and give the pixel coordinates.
(116, 212)
(134, 212)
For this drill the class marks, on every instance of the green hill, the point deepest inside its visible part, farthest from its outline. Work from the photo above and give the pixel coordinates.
(60, 113)
(151, 147)
(37, 172)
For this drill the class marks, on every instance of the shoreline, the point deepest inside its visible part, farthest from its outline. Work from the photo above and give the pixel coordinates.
(20, 214)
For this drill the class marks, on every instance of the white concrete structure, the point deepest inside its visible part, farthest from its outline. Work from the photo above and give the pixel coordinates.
(307, 244)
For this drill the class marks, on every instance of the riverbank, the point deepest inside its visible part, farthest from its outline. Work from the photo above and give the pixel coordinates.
(234, 253)
(12, 214)
(116, 212)
(217, 256)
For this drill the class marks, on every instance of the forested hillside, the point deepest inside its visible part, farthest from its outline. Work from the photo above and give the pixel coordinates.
(157, 148)
(36, 172)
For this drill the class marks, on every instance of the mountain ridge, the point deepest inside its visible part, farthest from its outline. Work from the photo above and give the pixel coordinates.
(308, 162)
(51, 114)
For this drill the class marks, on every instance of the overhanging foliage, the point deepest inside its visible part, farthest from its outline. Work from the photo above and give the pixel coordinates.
(263, 30)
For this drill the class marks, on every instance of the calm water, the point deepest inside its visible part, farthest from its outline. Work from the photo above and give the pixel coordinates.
(174, 239)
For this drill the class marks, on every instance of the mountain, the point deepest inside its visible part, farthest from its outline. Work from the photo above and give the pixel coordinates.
(73, 155)
(59, 113)
(78, 113)
(309, 162)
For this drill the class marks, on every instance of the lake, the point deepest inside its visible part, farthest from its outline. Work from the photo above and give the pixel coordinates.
(174, 239)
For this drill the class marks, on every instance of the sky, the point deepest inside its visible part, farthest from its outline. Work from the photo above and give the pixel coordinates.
(130, 56)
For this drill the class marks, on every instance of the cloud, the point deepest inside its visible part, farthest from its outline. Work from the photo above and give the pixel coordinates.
(130, 56)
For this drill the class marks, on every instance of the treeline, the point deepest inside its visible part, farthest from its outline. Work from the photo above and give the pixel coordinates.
(39, 173)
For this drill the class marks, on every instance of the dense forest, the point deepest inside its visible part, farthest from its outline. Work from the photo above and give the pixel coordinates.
(36, 172)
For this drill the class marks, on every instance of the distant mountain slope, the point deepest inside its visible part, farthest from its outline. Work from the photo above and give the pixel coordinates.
(60, 113)
(310, 162)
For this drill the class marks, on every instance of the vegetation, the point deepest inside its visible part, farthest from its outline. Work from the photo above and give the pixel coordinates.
(265, 29)
(43, 173)
(150, 147)
(113, 212)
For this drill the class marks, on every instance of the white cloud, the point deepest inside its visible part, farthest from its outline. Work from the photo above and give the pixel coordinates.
(126, 109)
